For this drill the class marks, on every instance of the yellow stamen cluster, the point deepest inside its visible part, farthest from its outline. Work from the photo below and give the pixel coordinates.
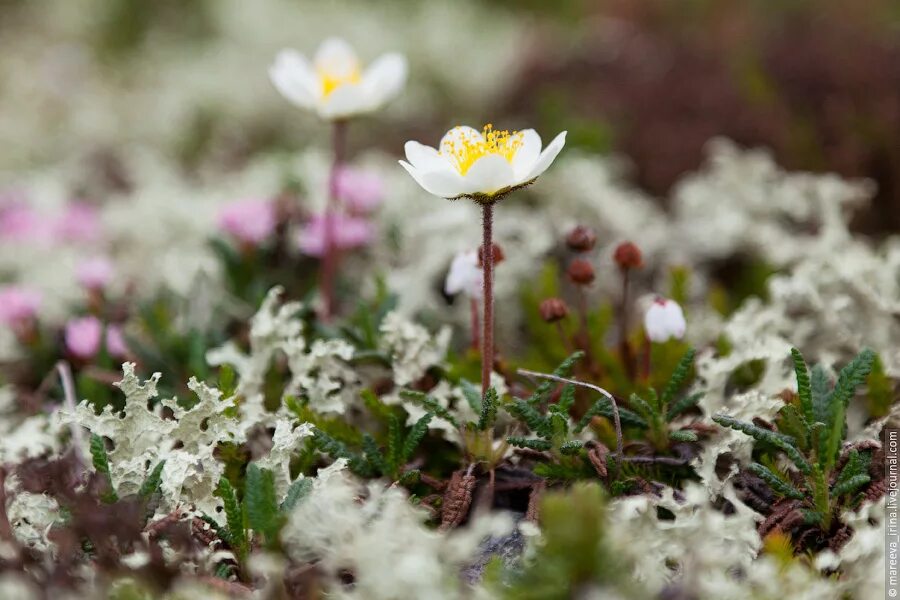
(332, 81)
(466, 148)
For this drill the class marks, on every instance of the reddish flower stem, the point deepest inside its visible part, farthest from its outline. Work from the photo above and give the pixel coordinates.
(473, 305)
(330, 259)
(487, 265)
(625, 351)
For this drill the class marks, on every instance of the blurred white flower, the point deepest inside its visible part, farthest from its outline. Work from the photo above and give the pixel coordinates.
(335, 84)
(664, 320)
(465, 275)
(480, 165)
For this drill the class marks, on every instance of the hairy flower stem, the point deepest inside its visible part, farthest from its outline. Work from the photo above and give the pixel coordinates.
(584, 334)
(487, 265)
(628, 358)
(473, 306)
(330, 257)
(612, 399)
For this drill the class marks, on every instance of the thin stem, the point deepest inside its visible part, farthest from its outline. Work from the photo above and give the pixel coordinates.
(68, 385)
(584, 335)
(487, 265)
(615, 406)
(330, 258)
(473, 306)
(624, 347)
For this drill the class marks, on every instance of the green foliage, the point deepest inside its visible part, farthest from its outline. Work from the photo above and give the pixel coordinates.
(296, 493)
(260, 503)
(542, 391)
(152, 483)
(881, 390)
(429, 404)
(488, 412)
(236, 535)
(101, 465)
(812, 437)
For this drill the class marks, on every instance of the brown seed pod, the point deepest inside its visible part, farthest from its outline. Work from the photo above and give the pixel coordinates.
(457, 499)
(581, 239)
(628, 256)
(553, 309)
(581, 272)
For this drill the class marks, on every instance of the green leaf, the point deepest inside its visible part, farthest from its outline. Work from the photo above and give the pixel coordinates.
(298, 491)
(471, 394)
(794, 424)
(821, 498)
(780, 441)
(338, 449)
(414, 437)
(528, 414)
(429, 404)
(682, 405)
(852, 376)
(603, 408)
(373, 403)
(152, 482)
(260, 502)
(101, 465)
(643, 408)
(373, 456)
(394, 452)
(236, 538)
(804, 388)
(679, 376)
(571, 447)
(488, 413)
(684, 435)
(547, 385)
(566, 401)
(778, 485)
(820, 388)
(850, 485)
(532, 443)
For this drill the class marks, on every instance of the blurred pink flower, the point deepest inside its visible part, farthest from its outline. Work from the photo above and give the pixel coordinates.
(20, 222)
(361, 191)
(249, 221)
(79, 222)
(83, 336)
(95, 273)
(349, 232)
(18, 304)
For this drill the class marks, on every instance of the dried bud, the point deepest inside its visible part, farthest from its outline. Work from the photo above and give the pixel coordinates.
(498, 254)
(581, 239)
(581, 271)
(553, 309)
(628, 256)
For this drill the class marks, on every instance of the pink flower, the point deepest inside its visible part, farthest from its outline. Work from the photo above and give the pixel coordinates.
(20, 222)
(80, 222)
(361, 191)
(348, 232)
(95, 273)
(18, 305)
(83, 336)
(249, 221)
(664, 320)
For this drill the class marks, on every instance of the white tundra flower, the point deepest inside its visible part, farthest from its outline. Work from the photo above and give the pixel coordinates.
(465, 275)
(482, 165)
(664, 320)
(335, 84)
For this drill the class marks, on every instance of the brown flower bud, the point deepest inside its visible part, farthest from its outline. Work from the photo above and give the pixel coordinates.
(497, 251)
(581, 239)
(581, 271)
(553, 309)
(628, 256)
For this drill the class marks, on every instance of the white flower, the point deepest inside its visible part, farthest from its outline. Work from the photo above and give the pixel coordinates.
(480, 165)
(664, 320)
(335, 84)
(465, 275)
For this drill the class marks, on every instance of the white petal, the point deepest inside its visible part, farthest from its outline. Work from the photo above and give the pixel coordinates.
(527, 154)
(674, 319)
(547, 156)
(464, 274)
(443, 184)
(336, 57)
(654, 323)
(293, 76)
(347, 100)
(489, 174)
(385, 77)
(425, 158)
(458, 133)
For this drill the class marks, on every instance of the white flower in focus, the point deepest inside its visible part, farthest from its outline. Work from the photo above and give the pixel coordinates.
(480, 165)
(335, 84)
(664, 320)
(465, 275)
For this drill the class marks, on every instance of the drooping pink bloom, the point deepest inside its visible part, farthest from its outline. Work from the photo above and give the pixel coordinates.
(360, 191)
(18, 305)
(664, 320)
(347, 233)
(95, 273)
(83, 337)
(249, 221)
(20, 222)
(79, 222)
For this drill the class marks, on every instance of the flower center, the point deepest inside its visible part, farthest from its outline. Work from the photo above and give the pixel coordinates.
(332, 80)
(466, 148)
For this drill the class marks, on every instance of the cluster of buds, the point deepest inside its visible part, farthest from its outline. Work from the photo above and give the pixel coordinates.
(581, 239)
(627, 256)
(553, 310)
